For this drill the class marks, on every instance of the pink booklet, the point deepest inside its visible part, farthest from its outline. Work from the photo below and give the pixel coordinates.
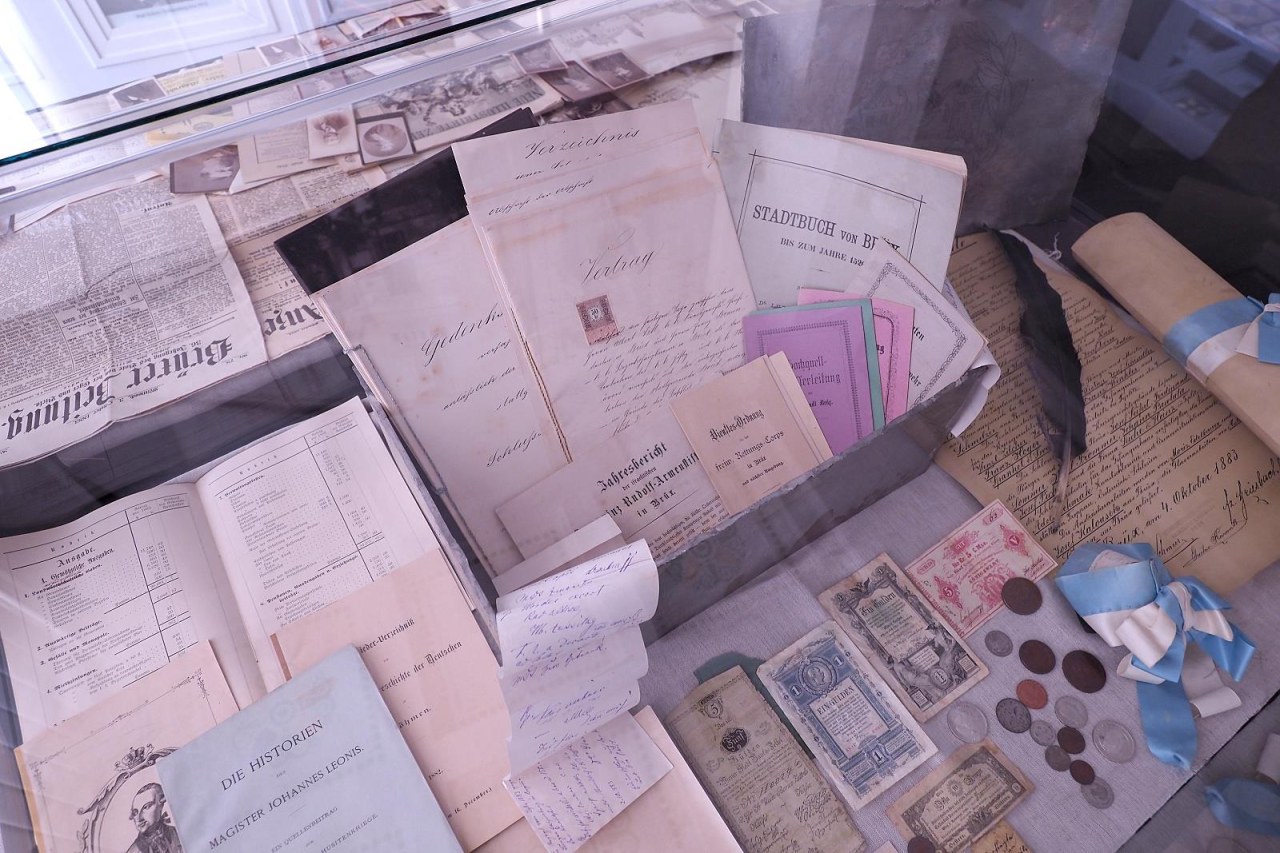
(893, 323)
(832, 351)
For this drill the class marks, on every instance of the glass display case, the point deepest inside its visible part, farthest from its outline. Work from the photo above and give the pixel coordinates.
(855, 424)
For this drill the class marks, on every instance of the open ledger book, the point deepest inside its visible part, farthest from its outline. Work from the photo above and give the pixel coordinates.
(273, 533)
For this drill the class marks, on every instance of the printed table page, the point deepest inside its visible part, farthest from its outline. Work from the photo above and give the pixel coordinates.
(94, 605)
(308, 516)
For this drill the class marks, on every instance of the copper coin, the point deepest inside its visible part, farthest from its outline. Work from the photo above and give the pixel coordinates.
(999, 644)
(1081, 771)
(1071, 740)
(1013, 715)
(1022, 596)
(1056, 757)
(1032, 694)
(1084, 672)
(920, 844)
(1037, 657)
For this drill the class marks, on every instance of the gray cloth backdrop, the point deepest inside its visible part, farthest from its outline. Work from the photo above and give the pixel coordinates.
(763, 618)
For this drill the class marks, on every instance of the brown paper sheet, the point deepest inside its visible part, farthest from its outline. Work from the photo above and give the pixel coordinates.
(1166, 463)
(1160, 282)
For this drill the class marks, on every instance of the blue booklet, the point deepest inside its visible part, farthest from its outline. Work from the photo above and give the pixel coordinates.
(316, 765)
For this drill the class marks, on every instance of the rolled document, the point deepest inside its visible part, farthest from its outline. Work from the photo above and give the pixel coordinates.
(1197, 315)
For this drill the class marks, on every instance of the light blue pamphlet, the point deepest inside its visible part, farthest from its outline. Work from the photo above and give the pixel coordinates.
(317, 766)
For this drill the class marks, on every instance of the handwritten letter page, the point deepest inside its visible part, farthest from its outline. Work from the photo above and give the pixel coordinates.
(1166, 464)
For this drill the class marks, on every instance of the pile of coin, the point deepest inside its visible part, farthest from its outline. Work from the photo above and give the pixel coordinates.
(1063, 745)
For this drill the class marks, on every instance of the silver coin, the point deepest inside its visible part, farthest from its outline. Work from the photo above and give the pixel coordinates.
(1043, 732)
(1057, 758)
(1013, 715)
(998, 643)
(967, 722)
(1071, 711)
(1114, 741)
(1098, 794)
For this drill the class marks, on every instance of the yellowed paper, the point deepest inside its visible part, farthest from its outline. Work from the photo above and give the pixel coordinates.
(1160, 282)
(752, 430)
(416, 635)
(769, 791)
(674, 814)
(87, 777)
(961, 798)
(1001, 839)
(1166, 463)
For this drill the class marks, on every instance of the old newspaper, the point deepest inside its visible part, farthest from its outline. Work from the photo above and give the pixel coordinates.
(116, 304)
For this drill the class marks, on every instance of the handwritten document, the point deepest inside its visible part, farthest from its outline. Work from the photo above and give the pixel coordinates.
(770, 792)
(1166, 464)
(571, 649)
(625, 279)
(676, 809)
(569, 796)
(572, 658)
(430, 323)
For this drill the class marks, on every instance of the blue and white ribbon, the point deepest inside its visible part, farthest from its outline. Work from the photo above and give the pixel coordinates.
(1269, 331)
(1203, 340)
(1175, 632)
(1252, 804)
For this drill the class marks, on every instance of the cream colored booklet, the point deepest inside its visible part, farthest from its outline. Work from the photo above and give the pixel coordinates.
(770, 792)
(919, 655)
(809, 208)
(91, 782)
(438, 677)
(753, 430)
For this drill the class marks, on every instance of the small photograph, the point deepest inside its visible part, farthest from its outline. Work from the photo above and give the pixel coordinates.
(712, 8)
(331, 80)
(616, 69)
(138, 93)
(753, 9)
(539, 58)
(383, 137)
(332, 133)
(322, 40)
(575, 82)
(207, 172)
(281, 51)
(589, 108)
(497, 29)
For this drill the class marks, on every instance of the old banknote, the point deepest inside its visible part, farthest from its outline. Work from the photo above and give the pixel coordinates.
(861, 735)
(962, 798)
(770, 793)
(962, 575)
(918, 654)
